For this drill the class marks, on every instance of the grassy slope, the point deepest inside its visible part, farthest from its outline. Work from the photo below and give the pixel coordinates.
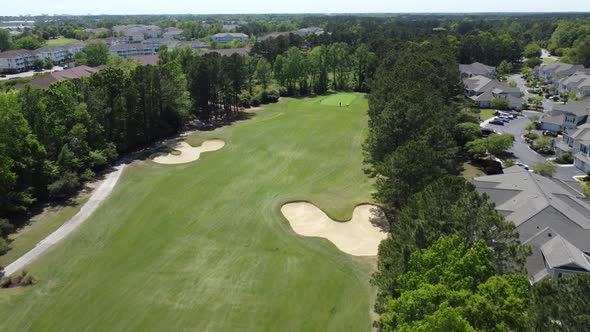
(40, 226)
(203, 246)
(61, 41)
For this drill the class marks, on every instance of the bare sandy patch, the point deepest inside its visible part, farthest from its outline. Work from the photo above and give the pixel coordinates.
(185, 153)
(358, 237)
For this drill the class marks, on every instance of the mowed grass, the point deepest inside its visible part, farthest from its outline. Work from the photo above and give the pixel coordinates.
(60, 41)
(203, 246)
(338, 99)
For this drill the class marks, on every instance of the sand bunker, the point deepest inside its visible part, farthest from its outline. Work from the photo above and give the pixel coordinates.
(185, 153)
(358, 237)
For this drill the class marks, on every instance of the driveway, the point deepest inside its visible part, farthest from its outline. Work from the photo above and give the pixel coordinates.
(520, 83)
(30, 73)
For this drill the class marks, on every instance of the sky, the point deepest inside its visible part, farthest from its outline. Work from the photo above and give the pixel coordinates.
(82, 7)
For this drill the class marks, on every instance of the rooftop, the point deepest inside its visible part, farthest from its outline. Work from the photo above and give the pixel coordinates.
(535, 204)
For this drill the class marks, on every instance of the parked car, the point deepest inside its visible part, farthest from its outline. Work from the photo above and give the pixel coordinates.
(504, 118)
(549, 133)
(497, 121)
(485, 132)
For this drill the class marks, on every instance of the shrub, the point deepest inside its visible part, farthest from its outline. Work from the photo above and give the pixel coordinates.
(87, 175)
(566, 158)
(245, 99)
(65, 185)
(22, 279)
(545, 168)
(97, 159)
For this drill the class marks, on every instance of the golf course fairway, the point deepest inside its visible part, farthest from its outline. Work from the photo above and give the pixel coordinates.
(203, 246)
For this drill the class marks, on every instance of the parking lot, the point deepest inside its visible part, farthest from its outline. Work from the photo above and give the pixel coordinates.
(524, 154)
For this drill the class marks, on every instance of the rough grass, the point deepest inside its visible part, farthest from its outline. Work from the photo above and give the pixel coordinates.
(40, 226)
(338, 99)
(203, 246)
(61, 41)
(470, 171)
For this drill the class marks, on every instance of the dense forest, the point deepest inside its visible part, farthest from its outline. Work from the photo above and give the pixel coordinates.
(454, 263)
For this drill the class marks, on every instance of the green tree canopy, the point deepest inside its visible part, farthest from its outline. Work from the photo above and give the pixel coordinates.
(96, 54)
(457, 278)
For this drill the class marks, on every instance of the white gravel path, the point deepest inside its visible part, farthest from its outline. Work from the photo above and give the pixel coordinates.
(99, 195)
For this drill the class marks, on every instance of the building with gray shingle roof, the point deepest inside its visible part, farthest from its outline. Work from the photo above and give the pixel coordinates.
(543, 208)
(572, 114)
(578, 84)
(482, 90)
(476, 69)
(554, 72)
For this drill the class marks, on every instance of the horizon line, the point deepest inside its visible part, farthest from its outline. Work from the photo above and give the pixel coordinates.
(296, 13)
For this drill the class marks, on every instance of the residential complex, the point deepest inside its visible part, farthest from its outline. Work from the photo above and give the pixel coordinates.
(550, 216)
(577, 143)
(132, 45)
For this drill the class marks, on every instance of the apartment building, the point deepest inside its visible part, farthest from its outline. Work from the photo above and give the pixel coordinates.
(229, 37)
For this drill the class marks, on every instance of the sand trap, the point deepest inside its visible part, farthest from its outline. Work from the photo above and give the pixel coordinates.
(358, 237)
(187, 153)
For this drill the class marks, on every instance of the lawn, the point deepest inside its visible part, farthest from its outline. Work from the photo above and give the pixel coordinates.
(470, 171)
(338, 99)
(60, 41)
(548, 61)
(203, 246)
(585, 186)
(486, 114)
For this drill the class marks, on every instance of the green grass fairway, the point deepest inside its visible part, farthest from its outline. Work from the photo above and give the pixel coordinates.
(336, 99)
(61, 41)
(204, 247)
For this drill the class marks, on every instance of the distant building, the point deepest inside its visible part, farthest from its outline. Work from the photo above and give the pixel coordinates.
(275, 35)
(171, 33)
(230, 27)
(482, 91)
(555, 72)
(229, 37)
(477, 68)
(150, 31)
(230, 51)
(310, 31)
(578, 84)
(134, 37)
(92, 32)
(17, 61)
(130, 50)
(70, 74)
(17, 25)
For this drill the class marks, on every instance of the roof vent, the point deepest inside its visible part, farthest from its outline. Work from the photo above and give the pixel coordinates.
(549, 234)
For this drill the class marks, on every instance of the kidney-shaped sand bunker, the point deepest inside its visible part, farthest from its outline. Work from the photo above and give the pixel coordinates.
(358, 237)
(185, 153)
